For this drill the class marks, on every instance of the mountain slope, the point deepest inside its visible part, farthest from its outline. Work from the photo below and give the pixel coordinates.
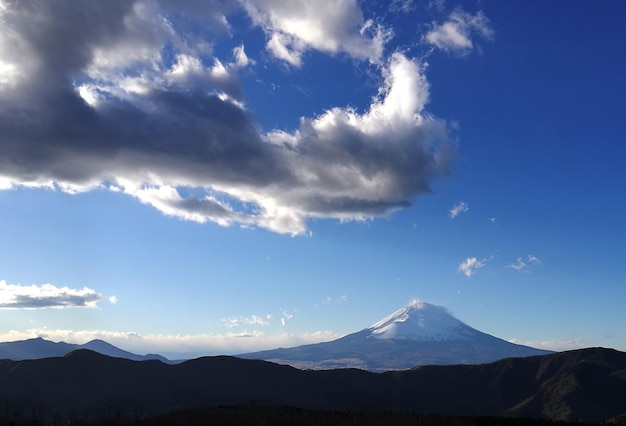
(417, 334)
(583, 385)
(40, 348)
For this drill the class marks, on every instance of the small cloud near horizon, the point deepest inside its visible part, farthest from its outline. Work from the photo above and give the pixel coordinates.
(286, 316)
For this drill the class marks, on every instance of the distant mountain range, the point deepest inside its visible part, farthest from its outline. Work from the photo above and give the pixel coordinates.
(417, 334)
(40, 348)
(582, 385)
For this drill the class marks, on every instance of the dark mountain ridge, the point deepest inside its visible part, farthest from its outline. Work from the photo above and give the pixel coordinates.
(582, 385)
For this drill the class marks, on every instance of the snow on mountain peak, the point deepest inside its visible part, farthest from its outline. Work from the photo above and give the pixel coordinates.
(421, 321)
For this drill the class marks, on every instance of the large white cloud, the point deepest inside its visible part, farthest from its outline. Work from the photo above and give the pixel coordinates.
(167, 123)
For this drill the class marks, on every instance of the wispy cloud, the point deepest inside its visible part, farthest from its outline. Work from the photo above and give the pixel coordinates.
(232, 322)
(523, 264)
(460, 207)
(16, 296)
(470, 265)
(454, 35)
(293, 27)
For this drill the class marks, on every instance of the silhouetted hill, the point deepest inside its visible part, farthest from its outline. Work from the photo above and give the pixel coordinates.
(583, 385)
(417, 334)
(251, 415)
(40, 348)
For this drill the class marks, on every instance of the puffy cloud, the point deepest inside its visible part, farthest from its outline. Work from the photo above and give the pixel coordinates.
(454, 35)
(460, 207)
(15, 296)
(180, 345)
(165, 123)
(330, 26)
(470, 265)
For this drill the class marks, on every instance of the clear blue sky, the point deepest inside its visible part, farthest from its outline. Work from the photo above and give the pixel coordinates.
(202, 177)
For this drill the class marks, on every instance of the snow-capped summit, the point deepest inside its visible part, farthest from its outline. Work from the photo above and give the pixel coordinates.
(417, 334)
(421, 321)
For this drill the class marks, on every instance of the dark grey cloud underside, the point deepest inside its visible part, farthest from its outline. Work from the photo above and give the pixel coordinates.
(189, 136)
(58, 301)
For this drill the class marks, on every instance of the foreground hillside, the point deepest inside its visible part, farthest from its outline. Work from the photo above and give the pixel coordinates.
(252, 415)
(583, 385)
(289, 416)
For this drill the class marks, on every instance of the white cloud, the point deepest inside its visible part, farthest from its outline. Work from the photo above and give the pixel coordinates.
(113, 300)
(133, 122)
(181, 345)
(454, 35)
(556, 345)
(523, 264)
(232, 322)
(519, 265)
(325, 25)
(240, 58)
(16, 296)
(286, 316)
(492, 219)
(460, 207)
(470, 265)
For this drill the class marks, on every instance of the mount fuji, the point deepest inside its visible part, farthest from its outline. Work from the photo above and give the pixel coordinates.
(417, 334)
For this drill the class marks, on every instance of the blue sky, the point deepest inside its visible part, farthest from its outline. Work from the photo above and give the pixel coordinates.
(203, 177)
